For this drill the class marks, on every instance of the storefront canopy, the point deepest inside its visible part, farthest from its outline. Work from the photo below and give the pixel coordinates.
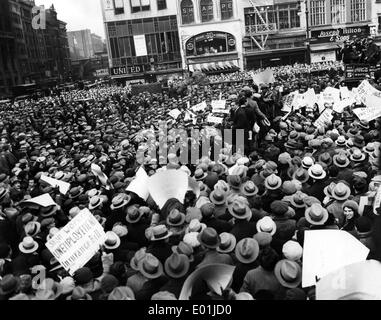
(211, 67)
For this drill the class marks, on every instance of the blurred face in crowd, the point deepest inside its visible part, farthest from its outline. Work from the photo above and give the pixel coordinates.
(349, 213)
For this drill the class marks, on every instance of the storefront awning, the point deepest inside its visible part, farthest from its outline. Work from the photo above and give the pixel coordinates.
(325, 47)
(215, 67)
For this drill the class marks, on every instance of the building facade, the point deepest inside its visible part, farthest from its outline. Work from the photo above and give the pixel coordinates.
(274, 32)
(211, 35)
(142, 38)
(335, 21)
(80, 44)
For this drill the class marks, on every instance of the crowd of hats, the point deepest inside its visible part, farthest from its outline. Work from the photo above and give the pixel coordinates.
(251, 212)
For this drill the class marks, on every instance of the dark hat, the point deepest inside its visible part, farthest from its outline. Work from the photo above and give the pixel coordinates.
(288, 273)
(218, 197)
(150, 267)
(79, 294)
(209, 238)
(175, 218)
(109, 283)
(133, 214)
(279, 208)
(239, 210)
(207, 210)
(83, 276)
(9, 284)
(263, 238)
(177, 265)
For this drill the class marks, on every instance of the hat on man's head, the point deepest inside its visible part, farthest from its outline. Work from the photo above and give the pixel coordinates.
(316, 214)
(317, 172)
(177, 265)
(279, 208)
(288, 273)
(228, 243)
(83, 276)
(341, 160)
(266, 224)
(273, 182)
(292, 250)
(247, 250)
(150, 267)
(175, 218)
(264, 239)
(341, 191)
(121, 294)
(239, 210)
(160, 232)
(209, 238)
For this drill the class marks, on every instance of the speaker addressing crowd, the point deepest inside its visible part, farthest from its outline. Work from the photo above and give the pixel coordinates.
(74, 155)
(360, 51)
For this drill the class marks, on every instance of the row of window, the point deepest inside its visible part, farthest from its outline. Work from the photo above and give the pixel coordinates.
(338, 10)
(142, 26)
(285, 16)
(138, 5)
(157, 43)
(206, 10)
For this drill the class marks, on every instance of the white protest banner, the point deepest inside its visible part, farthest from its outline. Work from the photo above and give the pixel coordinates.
(166, 185)
(217, 277)
(199, 107)
(288, 101)
(213, 119)
(365, 89)
(44, 200)
(77, 242)
(371, 112)
(266, 76)
(331, 95)
(325, 251)
(325, 117)
(344, 93)
(174, 113)
(341, 105)
(310, 98)
(139, 185)
(298, 101)
(62, 185)
(357, 281)
(218, 104)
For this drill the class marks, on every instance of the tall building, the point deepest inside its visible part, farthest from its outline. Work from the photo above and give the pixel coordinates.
(211, 35)
(8, 76)
(274, 32)
(80, 44)
(142, 38)
(99, 45)
(334, 21)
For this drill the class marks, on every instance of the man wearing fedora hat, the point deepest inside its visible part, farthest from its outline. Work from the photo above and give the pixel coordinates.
(160, 246)
(241, 213)
(210, 241)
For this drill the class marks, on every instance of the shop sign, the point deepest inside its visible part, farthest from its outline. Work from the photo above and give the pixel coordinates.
(126, 70)
(339, 34)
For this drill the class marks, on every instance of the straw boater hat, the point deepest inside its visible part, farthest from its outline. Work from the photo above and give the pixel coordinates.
(341, 160)
(307, 162)
(316, 214)
(301, 175)
(357, 156)
(177, 265)
(133, 214)
(175, 218)
(120, 201)
(247, 250)
(52, 232)
(200, 175)
(28, 245)
(228, 243)
(184, 248)
(95, 202)
(32, 228)
(151, 267)
(112, 240)
(328, 189)
(288, 273)
(266, 224)
(317, 172)
(218, 197)
(273, 182)
(249, 189)
(341, 192)
(48, 211)
(160, 232)
(297, 200)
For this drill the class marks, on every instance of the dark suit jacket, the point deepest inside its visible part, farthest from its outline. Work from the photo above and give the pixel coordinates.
(285, 230)
(150, 288)
(174, 286)
(243, 229)
(161, 250)
(136, 233)
(317, 189)
(219, 225)
(240, 272)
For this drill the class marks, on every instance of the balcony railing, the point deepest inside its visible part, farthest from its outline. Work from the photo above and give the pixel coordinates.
(261, 29)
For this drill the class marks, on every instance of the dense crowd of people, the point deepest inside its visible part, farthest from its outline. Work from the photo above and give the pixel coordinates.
(251, 211)
(360, 51)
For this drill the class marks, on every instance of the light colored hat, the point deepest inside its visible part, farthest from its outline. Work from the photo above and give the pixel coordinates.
(317, 172)
(112, 240)
(307, 162)
(28, 245)
(273, 182)
(195, 226)
(120, 230)
(266, 224)
(292, 250)
(228, 243)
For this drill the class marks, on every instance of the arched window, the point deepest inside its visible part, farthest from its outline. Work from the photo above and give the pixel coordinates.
(206, 7)
(187, 12)
(226, 9)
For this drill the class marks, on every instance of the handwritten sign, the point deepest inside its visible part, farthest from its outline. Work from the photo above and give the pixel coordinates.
(199, 107)
(62, 185)
(77, 242)
(213, 119)
(175, 113)
(218, 104)
(325, 117)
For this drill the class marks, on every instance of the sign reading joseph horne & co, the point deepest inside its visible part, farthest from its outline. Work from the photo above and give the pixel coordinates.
(338, 35)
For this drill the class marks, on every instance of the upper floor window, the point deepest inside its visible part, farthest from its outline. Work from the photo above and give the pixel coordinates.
(187, 11)
(140, 5)
(317, 12)
(118, 7)
(338, 11)
(161, 4)
(358, 10)
(226, 9)
(206, 8)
